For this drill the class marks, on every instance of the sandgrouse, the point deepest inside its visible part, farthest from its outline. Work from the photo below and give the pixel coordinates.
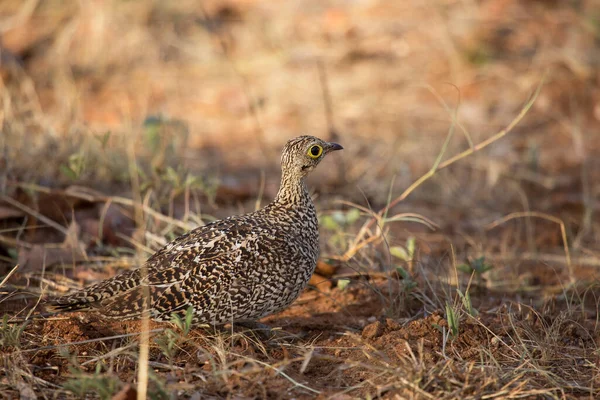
(238, 269)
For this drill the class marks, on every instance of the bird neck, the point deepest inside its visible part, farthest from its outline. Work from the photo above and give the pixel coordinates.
(292, 190)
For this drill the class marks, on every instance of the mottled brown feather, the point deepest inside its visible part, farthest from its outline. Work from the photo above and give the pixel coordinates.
(237, 269)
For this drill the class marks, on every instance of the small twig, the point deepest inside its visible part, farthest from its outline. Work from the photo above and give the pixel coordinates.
(41, 294)
(438, 165)
(329, 118)
(250, 100)
(478, 147)
(155, 364)
(138, 203)
(35, 214)
(85, 341)
(548, 258)
(15, 242)
(144, 358)
(111, 353)
(12, 271)
(367, 275)
(99, 198)
(327, 103)
(453, 113)
(280, 372)
(38, 379)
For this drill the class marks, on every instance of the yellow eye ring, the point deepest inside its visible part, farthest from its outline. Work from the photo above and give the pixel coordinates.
(315, 151)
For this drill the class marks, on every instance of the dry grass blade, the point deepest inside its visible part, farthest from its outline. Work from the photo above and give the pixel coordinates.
(126, 335)
(35, 214)
(547, 258)
(280, 372)
(94, 197)
(563, 232)
(10, 273)
(439, 165)
(251, 101)
(144, 356)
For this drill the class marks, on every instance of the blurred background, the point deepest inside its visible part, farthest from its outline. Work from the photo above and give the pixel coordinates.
(242, 76)
(208, 92)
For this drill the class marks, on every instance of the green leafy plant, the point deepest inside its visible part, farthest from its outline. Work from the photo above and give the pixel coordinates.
(406, 253)
(74, 166)
(103, 139)
(184, 324)
(402, 290)
(163, 137)
(171, 182)
(104, 385)
(477, 266)
(342, 284)
(171, 339)
(339, 219)
(13, 253)
(338, 222)
(453, 319)
(10, 334)
(407, 280)
(465, 298)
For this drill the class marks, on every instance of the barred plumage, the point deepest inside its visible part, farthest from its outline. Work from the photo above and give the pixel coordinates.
(240, 268)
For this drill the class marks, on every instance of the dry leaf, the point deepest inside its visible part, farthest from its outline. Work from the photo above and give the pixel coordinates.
(69, 252)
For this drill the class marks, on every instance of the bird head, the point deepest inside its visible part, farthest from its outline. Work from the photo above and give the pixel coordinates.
(302, 154)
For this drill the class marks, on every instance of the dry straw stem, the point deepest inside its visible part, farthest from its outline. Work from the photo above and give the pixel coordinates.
(381, 221)
(590, 261)
(10, 273)
(438, 165)
(35, 214)
(144, 357)
(398, 375)
(125, 335)
(87, 194)
(251, 101)
(563, 232)
(278, 371)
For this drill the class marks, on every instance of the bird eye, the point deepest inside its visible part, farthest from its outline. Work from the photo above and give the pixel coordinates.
(315, 151)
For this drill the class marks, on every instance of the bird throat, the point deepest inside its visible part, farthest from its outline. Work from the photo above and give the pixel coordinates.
(292, 190)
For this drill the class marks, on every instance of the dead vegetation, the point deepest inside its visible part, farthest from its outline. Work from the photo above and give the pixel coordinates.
(460, 237)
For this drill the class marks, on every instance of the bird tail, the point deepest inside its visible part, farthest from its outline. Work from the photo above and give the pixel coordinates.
(92, 297)
(69, 303)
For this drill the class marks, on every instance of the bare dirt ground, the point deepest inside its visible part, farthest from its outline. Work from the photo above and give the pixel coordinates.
(460, 236)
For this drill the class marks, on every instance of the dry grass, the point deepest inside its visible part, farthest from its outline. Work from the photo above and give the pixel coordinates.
(126, 123)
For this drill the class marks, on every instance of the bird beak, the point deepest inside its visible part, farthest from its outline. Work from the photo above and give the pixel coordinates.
(333, 147)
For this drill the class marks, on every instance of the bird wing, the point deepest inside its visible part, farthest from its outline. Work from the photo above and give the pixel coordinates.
(203, 278)
(195, 262)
